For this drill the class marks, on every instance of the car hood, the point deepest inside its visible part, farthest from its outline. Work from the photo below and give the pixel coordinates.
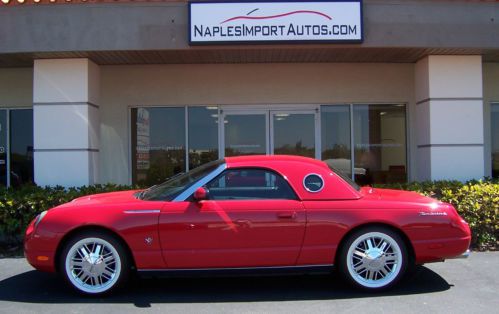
(104, 198)
(395, 195)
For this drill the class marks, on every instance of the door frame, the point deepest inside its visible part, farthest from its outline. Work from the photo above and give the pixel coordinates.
(317, 130)
(7, 148)
(221, 127)
(269, 110)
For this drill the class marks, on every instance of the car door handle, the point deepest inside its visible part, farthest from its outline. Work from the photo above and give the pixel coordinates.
(287, 215)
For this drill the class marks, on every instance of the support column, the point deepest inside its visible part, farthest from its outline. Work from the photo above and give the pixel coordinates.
(449, 116)
(66, 122)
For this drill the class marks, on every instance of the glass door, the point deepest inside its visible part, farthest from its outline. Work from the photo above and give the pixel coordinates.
(294, 133)
(267, 131)
(244, 133)
(3, 147)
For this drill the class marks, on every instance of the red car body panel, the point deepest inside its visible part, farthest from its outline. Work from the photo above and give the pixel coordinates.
(214, 234)
(253, 233)
(102, 210)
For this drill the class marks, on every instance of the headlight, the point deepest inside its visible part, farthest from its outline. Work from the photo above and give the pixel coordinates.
(40, 217)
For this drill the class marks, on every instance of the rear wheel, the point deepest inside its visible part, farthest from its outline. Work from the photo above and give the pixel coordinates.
(94, 263)
(373, 258)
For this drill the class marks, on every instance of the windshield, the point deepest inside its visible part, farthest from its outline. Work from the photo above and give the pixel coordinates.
(346, 178)
(171, 188)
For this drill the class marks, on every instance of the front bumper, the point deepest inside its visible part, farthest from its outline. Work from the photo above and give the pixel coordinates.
(39, 248)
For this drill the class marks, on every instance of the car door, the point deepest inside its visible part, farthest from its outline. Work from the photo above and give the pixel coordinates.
(251, 219)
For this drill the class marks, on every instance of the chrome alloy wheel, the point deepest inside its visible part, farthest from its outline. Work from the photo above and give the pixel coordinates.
(374, 260)
(93, 265)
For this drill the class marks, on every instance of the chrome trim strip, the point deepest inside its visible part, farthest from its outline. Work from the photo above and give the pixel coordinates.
(212, 175)
(141, 211)
(236, 268)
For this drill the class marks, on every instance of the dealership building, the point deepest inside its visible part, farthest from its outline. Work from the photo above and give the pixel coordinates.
(136, 91)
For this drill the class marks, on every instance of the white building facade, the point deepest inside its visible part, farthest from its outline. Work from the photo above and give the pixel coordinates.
(116, 92)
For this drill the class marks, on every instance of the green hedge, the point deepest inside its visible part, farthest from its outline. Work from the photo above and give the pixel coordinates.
(19, 206)
(476, 201)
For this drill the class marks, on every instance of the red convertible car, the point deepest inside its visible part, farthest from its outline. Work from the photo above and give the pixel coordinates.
(246, 214)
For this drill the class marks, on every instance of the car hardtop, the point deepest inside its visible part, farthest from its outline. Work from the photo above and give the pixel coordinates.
(241, 161)
(295, 169)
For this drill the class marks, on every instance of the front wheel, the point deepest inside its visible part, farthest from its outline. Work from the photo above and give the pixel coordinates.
(94, 263)
(373, 258)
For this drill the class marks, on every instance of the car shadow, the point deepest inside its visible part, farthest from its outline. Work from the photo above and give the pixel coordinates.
(37, 287)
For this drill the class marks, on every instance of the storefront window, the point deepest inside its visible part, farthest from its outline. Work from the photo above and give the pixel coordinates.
(245, 134)
(21, 147)
(294, 134)
(3, 147)
(160, 144)
(203, 135)
(495, 139)
(380, 144)
(335, 137)
(158, 149)
(16, 154)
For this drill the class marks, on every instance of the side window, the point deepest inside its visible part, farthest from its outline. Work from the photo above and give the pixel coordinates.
(249, 184)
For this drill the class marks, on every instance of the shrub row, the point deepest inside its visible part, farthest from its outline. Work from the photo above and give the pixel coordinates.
(476, 201)
(19, 206)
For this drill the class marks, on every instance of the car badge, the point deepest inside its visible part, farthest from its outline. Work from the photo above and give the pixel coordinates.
(432, 214)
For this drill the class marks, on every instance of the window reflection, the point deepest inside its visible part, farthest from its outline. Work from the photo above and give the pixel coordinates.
(3, 147)
(159, 144)
(335, 133)
(245, 134)
(379, 139)
(380, 143)
(21, 147)
(203, 135)
(294, 134)
(249, 184)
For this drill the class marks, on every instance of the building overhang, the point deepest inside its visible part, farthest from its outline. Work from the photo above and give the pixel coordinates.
(157, 32)
(248, 55)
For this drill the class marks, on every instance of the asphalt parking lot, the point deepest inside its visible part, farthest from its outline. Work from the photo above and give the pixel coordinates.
(456, 286)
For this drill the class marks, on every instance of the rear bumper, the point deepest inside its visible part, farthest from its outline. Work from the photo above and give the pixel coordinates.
(441, 249)
(462, 256)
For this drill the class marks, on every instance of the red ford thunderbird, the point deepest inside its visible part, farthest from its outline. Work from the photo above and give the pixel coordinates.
(246, 214)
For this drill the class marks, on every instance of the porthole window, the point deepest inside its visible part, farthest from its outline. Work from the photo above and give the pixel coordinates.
(313, 183)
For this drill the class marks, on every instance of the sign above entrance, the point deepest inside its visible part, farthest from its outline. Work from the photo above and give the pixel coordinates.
(269, 22)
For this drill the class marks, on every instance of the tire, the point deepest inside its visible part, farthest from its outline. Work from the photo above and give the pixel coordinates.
(94, 263)
(373, 259)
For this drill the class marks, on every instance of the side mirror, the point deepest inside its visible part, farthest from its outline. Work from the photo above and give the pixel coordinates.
(201, 194)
